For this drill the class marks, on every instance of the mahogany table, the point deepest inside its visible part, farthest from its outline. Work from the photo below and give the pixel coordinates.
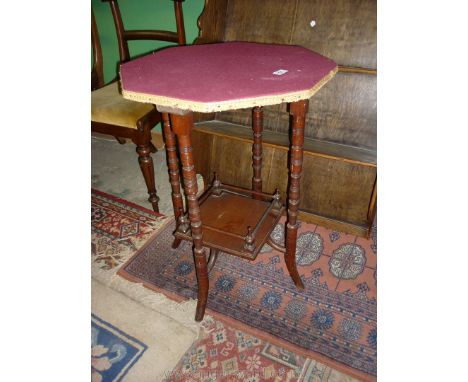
(228, 76)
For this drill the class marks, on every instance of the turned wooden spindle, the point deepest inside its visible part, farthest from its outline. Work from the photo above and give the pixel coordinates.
(298, 112)
(249, 240)
(216, 185)
(173, 166)
(277, 199)
(182, 126)
(143, 140)
(257, 126)
(183, 223)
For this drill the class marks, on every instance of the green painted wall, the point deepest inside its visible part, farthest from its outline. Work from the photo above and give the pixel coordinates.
(141, 14)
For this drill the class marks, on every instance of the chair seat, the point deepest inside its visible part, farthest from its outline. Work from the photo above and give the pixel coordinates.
(108, 106)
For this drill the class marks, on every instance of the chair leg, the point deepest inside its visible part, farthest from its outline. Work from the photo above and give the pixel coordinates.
(153, 148)
(147, 168)
(143, 149)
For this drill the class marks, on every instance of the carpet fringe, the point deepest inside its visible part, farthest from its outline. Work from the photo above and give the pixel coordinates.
(183, 312)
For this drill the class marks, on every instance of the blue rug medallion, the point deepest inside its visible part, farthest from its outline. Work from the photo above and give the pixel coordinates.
(113, 352)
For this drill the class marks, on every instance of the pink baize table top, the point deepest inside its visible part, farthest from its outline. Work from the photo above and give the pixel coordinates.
(225, 76)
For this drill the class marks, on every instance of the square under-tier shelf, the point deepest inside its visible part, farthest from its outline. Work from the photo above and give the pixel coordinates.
(226, 214)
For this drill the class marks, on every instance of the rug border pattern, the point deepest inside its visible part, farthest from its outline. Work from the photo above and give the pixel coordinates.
(141, 347)
(353, 372)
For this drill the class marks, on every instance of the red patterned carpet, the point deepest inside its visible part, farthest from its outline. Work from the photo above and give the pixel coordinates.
(224, 353)
(118, 228)
(333, 320)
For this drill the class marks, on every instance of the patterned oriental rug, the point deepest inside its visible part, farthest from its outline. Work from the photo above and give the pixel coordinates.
(118, 229)
(333, 320)
(224, 353)
(113, 352)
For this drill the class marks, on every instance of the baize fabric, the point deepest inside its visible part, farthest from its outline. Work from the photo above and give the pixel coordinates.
(226, 76)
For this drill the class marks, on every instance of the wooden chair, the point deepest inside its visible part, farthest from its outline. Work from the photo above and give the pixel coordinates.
(110, 112)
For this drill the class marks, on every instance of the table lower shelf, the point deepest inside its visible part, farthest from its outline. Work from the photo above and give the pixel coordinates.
(228, 212)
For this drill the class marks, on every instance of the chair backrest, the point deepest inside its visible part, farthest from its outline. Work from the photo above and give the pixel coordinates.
(97, 73)
(124, 36)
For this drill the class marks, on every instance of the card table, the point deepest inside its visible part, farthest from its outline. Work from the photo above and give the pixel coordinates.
(228, 76)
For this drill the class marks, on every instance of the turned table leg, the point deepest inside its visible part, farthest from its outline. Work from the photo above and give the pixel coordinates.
(257, 125)
(174, 176)
(182, 126)
(298, 111)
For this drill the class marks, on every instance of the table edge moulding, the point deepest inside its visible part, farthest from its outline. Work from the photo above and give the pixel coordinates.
(228, 76)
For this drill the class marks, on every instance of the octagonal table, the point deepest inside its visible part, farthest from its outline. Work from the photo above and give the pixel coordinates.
(228, 76)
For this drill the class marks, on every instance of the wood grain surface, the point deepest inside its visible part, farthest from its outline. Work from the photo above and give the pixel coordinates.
(330, 187)
(339, 167)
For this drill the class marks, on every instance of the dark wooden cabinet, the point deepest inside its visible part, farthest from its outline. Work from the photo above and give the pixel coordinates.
(340, 169)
